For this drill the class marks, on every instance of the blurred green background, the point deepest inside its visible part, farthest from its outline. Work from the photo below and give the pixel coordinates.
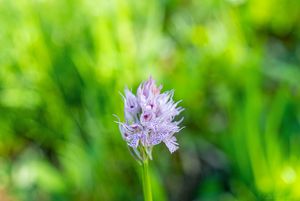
(234, 63)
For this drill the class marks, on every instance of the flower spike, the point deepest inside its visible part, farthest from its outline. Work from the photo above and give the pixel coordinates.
(149, 119)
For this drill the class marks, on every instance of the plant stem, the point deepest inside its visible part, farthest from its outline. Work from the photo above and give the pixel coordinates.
(146, 181)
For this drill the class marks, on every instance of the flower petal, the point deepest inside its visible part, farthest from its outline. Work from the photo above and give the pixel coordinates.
(172, 144)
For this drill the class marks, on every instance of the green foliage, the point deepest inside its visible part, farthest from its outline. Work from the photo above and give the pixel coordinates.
(234, 63)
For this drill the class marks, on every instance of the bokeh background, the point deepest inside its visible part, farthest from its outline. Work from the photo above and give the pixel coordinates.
(234, 63)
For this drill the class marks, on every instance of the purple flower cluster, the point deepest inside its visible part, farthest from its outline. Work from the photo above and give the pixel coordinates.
(149, 119)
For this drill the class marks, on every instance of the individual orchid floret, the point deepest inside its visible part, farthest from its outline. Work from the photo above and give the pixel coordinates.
(150, 119)
(131, 106)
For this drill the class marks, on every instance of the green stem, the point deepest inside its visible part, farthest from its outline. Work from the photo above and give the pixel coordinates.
(146, 182)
